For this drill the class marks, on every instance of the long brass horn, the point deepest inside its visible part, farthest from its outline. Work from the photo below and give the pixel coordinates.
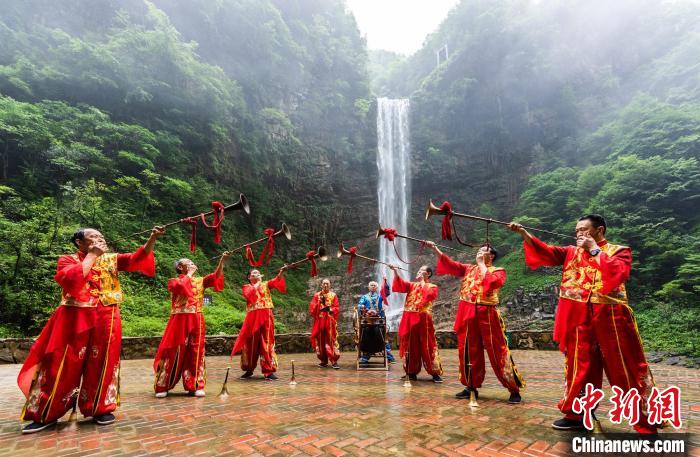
(241, 204)
(342, 251)
(282, 231)
(432, 210)
(320, 254)
(382, 231)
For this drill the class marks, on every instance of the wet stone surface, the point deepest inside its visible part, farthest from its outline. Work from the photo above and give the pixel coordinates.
(329, 412)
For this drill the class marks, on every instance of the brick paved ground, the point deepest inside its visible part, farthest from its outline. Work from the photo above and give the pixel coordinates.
(328, 413)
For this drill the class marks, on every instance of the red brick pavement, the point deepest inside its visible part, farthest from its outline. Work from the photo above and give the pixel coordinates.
(329, 412)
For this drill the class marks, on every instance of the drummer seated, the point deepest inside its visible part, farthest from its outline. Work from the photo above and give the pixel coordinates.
(371, 305)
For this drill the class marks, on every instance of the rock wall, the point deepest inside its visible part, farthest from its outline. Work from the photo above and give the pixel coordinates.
(538, 305)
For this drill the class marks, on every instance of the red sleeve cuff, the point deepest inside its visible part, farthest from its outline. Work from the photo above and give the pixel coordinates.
(278, 283)
(493, 281)
(214, 280)
(139, 261)
(180, 287)
(614, 270)
(71, 279)
(399, 285)
(447, 266)
(540, 254)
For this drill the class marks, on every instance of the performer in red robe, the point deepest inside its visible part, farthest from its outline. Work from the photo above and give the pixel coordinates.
(325, 309)
(181, 351)
(257, 336)
(417, 343)
(478, 323)
(82, 339)
(594, 325)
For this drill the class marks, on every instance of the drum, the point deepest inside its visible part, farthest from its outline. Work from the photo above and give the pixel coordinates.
(372, 334)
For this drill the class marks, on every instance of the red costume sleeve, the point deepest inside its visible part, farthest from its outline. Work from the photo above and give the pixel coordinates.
(493, 281)
(335, 308)
(447, 266)
(250, 293)
(180, 286)
(138, 261)
(214, 280)
(313, 307)
(541, 254)
(278, 283)
(399, 285)
(429, 294)
(69, 275)
(615, 269)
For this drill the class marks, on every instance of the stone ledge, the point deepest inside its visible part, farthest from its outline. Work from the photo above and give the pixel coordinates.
(15, 350)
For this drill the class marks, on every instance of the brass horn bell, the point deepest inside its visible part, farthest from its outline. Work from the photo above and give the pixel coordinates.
(242, 203)
(342, 251)
(432, 210)
(284, 231)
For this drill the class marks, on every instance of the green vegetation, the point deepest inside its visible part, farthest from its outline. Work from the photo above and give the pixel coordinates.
(119, 115)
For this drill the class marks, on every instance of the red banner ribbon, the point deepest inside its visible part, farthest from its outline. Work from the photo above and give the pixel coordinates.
(353, 253)
(383, 294)
(218, 209)
(446, 221)
(266, 253)
(311, 255)
(390, 234)
(193, 235)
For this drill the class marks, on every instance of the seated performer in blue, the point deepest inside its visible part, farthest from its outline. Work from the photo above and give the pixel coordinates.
(371, 303)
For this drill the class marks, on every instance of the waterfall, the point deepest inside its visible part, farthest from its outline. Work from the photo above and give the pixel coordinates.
(393, 190)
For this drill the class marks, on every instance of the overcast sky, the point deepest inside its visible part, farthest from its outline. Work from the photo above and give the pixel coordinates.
(399, 25)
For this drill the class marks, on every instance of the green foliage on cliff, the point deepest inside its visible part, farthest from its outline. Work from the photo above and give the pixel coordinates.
(119, 115)
(546, 111)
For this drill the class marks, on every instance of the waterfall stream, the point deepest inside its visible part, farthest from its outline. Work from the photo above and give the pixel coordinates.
(393, 189)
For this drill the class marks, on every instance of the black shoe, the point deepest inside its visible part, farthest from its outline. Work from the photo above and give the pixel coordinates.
(37, 427)
(567, 424)
(322, 365)
(335, 366)
(514, 398)
(271, 377)
(247, 375)
(105, 419)
(437, 379)
(412, 377)
(464, 395)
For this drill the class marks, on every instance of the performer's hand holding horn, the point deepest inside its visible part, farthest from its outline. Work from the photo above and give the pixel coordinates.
(522, 231)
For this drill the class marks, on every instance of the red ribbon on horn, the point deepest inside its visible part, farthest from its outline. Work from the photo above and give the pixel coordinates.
(192, 222)
(446, 221)
(311, 255)
(266, 253)
(390, 234)
(218, 209)
(384, 292)
(353, 253)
